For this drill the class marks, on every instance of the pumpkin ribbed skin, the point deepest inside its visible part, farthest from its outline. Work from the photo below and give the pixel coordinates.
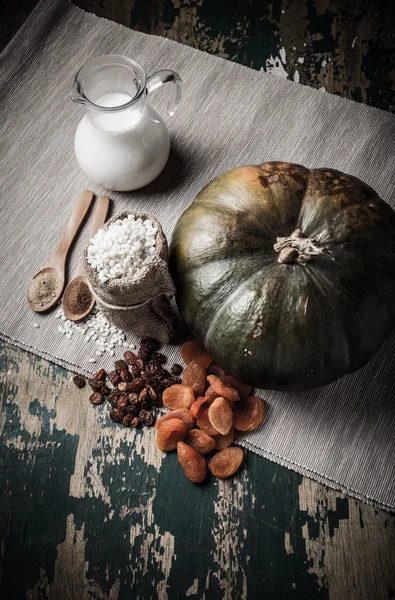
(286, 326)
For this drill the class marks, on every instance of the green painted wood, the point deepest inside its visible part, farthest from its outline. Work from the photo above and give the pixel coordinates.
(93, 510)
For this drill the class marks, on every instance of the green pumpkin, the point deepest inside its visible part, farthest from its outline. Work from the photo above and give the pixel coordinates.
(285, 274)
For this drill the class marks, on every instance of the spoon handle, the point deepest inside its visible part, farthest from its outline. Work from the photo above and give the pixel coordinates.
(100, 214)
(58, 258)
(99, 218)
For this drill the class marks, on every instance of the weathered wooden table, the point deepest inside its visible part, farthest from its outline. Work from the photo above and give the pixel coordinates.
(89, 510)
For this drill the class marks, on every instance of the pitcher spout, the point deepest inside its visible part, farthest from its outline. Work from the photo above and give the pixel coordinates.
(76, 93)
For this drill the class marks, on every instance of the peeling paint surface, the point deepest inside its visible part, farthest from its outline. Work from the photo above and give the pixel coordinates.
(92, 511)
(356, 38)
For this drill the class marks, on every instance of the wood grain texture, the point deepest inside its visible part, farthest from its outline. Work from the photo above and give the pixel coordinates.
(345, 48)
(93, 510)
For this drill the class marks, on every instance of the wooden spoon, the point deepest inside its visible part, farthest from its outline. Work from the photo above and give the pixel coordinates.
(79, 283)
(47, 285)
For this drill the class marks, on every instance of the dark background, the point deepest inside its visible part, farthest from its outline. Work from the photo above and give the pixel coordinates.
(346, 47)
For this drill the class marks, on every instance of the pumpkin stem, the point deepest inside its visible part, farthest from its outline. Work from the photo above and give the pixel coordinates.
(297, 248)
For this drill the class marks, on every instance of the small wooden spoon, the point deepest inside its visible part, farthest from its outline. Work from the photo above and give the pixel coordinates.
(99, 218)
(47, 285)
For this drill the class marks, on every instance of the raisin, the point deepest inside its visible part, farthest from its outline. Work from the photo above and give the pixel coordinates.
(176, 369)
(226, 462)
(143, 395)
(117, 415)
(243, 389)
(123, 402)
(223, 389)
(136, 385)
(120, 365)
(129, 357)
(133, 398)
(159, 358)
(152, 367)
(96, 384)
(182, 413)
(135, 422)
(79, 381)
(135, 370)
(127, 420)
(249, 413)
(96, 398)
(204, 423)
(132, 410)
(178, 396)
(105, 390)
(199, 441)
(125, 375)
(144, 353)
(114, 378)
(151, 393)
(223, 441)
(124, 386)
(170, 432)
(149, 343)
(113, 397)
(193, 351)
(140, 364)
(194, 465)
(147, 418)
(101, 374)
(195, 376)
(220, 415)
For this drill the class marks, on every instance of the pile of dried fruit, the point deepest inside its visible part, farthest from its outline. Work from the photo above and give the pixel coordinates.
(137, 383)
(206, 409)
(206, 405)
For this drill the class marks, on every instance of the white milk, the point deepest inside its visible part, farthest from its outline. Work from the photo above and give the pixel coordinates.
(125, 149)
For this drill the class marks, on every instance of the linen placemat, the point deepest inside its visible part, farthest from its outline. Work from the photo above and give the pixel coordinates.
(342, 434)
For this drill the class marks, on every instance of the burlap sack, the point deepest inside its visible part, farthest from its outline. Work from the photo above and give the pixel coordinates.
(140, 306)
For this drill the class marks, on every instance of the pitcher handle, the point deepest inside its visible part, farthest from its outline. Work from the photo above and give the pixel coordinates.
(159, 78)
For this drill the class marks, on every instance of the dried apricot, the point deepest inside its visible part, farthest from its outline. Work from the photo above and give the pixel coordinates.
(215, 369)
(204, 423)
(243, 389)
(194, 465)
(226, 462)
(249, 413)
(195, 376)
(199, 441)
(196, 406)
(178, 396)
(211, 394)
(223, 389)
(194, 351)
(181, 413)
(220, 415)
(170, 432)
(223, 441)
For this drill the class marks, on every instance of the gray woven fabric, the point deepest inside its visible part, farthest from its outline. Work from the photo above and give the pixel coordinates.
(145, 302)
(342, 434)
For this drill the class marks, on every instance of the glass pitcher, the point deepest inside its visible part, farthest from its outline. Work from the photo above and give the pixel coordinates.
(121, 143)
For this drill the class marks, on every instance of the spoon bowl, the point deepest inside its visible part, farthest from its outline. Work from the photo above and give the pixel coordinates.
(45, 289)
(83, 298)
